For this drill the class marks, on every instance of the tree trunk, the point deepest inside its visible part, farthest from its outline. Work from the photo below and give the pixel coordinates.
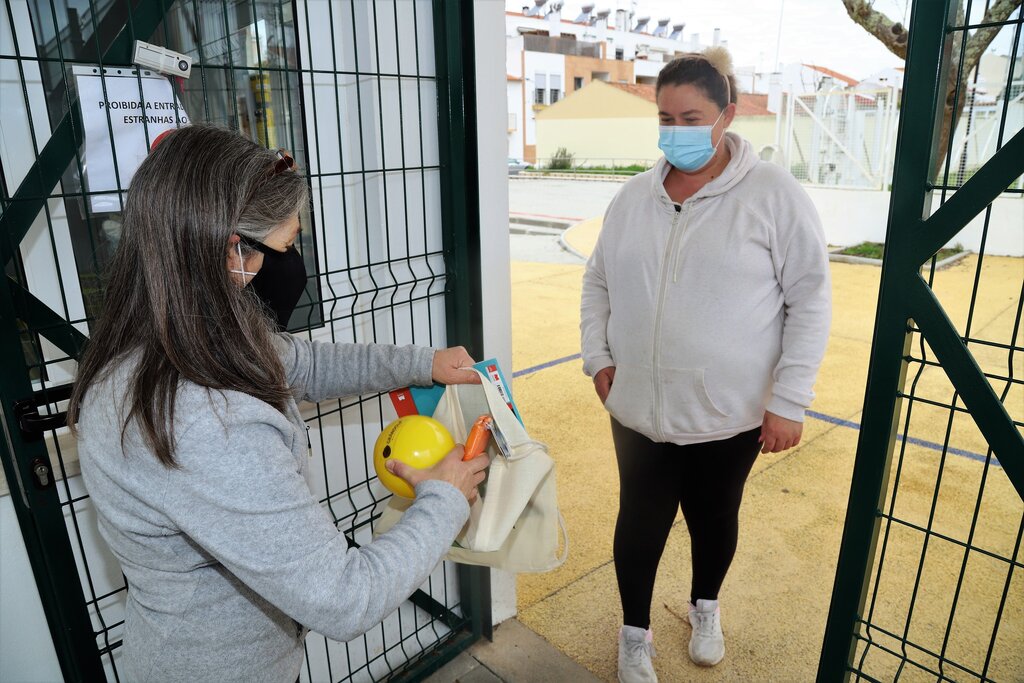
(894, 37)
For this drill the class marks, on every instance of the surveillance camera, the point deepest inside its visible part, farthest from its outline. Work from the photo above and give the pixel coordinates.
(162, 60)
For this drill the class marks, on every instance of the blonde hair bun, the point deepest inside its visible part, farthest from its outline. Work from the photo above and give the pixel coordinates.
(719, 58)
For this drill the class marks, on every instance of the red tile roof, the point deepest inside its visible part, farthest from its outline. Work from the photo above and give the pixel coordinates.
(643, 91)
(747, 105)
(752, 105)
(834, 74)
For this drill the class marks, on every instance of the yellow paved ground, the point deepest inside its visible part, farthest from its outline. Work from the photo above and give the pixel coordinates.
(776, 597)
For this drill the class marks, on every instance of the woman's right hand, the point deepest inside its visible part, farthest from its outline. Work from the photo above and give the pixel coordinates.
(465, 476)
(603, 382)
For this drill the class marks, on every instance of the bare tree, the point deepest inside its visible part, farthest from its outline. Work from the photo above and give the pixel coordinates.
(893, 35)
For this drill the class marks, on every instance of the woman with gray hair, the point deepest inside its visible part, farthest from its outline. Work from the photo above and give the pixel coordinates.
(191, 441)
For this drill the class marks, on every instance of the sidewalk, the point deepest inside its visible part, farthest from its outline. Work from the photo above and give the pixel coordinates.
(517, 655)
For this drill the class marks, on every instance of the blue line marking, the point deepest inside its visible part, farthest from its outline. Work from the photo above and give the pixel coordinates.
(545, 366)
(834, 420)
(810, 413)
(913, 439)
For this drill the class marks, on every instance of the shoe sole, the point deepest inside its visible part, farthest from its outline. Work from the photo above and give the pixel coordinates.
(706, 665)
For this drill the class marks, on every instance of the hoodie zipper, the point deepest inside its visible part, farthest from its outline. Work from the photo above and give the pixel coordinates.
(678, 255)
(667, 265)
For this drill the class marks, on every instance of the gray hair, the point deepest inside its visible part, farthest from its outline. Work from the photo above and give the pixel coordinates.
(170, 297)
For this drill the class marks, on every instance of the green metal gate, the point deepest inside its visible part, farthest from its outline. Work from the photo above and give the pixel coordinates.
(929, 584)
(376, 101)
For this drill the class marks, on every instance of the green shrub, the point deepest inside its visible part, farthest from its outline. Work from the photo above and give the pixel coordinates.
(561, 161)
(876, 249)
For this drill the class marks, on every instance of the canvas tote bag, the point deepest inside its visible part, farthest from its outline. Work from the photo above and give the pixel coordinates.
(514, 524)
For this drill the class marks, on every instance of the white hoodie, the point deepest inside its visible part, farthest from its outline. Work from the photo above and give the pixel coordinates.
(712, 311)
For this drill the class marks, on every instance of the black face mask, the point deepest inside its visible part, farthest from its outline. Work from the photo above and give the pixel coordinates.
(280, 282)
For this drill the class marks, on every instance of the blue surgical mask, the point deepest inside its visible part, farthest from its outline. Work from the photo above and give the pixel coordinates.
(688, 148)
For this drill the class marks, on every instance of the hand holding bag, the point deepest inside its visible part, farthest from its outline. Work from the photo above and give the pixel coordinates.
(514, 524)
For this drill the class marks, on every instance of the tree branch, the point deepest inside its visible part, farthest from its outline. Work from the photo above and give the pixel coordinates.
(979, 41)
(891, 33)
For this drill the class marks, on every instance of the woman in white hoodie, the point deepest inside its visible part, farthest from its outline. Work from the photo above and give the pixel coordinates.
(705, 314)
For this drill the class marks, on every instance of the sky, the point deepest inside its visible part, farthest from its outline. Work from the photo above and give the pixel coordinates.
(813, 31)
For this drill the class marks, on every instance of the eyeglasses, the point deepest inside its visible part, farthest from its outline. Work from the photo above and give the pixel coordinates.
(284, 162)
(251, 243)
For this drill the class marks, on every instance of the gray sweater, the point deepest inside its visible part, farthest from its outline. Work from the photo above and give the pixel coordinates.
(229, 558)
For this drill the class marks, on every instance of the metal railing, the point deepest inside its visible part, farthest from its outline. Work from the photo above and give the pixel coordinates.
(584, 166)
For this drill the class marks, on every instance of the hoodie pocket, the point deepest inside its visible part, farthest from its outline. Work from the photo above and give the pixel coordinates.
(687, 407)
(631, 398)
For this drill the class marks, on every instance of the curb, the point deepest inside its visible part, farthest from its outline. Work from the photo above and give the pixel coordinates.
(571, 249)
(863, 260)
(589, 177)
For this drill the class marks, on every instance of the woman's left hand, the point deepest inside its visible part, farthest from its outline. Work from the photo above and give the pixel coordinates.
(778, 433)
(454, 366)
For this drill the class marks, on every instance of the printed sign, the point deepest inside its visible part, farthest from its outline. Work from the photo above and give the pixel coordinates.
(117, 122)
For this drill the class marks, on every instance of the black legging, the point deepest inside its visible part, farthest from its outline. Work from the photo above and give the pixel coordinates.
(706, 481)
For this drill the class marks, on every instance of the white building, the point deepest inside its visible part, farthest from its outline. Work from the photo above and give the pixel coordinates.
(548, 56)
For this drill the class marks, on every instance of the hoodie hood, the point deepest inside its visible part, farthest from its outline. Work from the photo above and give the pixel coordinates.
(742, 160)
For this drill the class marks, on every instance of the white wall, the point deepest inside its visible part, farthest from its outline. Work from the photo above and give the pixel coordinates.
(26, 650)
(513, 65)
(550, 66)
(495, 262)
(514, 139)
(853, 216)
(648, 68)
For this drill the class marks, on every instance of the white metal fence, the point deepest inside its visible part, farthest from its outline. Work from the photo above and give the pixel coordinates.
(840, 138)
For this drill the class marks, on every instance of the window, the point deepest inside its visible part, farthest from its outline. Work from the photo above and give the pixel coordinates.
(620, 54)
(577, 83)
(538, 96)
(554, 95)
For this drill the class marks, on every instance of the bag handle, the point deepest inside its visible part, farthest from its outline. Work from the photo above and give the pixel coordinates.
(564, 533)
(497, 406)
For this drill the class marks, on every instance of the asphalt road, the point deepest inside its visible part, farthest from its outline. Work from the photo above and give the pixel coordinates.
(570, 201)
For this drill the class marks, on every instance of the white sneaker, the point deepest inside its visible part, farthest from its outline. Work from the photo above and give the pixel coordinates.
(636, 648)
(707, 644)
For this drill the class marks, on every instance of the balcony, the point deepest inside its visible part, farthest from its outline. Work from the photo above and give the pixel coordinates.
(560, 46)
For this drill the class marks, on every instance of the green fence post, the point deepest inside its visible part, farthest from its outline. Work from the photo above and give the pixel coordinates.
(927, 64)
(460, 211)
(40, 517)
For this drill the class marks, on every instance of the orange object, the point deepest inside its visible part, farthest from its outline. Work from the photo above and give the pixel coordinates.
(479, 434)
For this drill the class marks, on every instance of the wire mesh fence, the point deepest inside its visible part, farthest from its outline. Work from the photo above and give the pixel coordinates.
(847, 138)
(351, 88)
(943, 592)
(839, 138)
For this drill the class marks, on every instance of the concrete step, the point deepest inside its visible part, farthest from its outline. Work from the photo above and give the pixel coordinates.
(516, 655)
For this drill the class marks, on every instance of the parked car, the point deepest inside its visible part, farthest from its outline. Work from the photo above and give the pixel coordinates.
(515, 166)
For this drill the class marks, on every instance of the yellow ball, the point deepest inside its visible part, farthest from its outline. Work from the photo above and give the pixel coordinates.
(418, 441)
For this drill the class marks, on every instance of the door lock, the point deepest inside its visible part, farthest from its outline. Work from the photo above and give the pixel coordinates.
(41, 473)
